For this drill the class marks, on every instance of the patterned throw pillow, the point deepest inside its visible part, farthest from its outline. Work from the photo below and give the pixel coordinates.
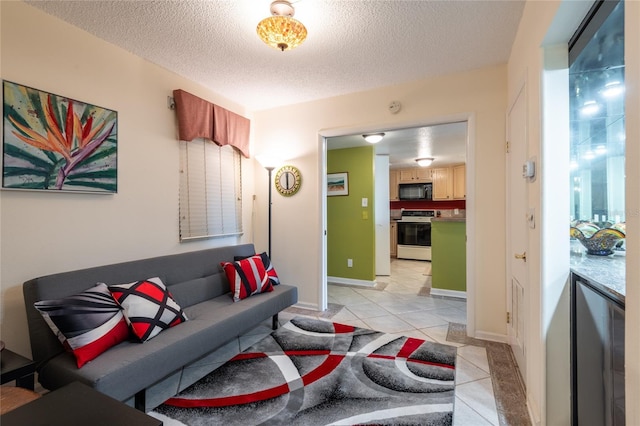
(247, 277)
(148, 307)
(268, 266)
(87, 323)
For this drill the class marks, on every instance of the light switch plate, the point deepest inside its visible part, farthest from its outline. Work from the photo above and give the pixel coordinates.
(365, 202)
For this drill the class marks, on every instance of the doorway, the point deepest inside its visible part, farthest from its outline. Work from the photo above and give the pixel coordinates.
(329, 137)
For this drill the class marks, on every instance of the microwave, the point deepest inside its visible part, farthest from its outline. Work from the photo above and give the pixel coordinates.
(416, 191)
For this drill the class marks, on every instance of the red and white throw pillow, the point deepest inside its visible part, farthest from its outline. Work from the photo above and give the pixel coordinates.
(87, 323)
(148, 307)
(247, 277)
(268, 266)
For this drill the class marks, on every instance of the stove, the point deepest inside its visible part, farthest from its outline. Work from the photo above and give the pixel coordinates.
(417, 215)
(414, 234)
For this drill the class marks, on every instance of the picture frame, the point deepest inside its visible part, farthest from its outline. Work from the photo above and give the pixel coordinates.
(54, 143)
(337, 184)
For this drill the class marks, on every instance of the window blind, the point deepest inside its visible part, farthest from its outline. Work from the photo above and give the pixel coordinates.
(210, 190)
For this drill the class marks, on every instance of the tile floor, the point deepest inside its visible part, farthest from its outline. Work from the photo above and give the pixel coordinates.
(401, 304)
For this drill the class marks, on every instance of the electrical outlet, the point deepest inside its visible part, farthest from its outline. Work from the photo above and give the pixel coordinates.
(349, 263)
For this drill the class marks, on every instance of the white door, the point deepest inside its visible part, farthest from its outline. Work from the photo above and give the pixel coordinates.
(517, 228)
(382, 216)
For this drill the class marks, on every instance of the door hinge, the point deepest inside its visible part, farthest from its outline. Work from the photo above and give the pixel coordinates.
(507, 147)
(508, 317)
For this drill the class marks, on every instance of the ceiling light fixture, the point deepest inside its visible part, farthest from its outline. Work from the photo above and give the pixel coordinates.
(373, 137)
(589, 108)
(281, 31)
(424, 162)
(601, 149)
(613, 89)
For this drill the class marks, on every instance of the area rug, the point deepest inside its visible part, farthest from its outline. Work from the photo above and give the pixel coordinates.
(312, 372)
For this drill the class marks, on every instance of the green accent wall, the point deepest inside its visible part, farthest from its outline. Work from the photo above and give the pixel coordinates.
(351, 227)
(448, 256)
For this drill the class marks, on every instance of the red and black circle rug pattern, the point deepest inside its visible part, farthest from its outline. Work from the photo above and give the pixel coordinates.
(312, 372)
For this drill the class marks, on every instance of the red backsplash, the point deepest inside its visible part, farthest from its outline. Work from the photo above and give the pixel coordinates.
(433, 205)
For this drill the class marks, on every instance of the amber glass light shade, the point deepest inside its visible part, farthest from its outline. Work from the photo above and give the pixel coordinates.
(281, 32)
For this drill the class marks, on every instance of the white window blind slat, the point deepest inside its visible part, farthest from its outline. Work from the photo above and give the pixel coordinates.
(210, 190)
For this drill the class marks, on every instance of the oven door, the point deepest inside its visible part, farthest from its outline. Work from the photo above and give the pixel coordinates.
(414, 240)
(414, 234)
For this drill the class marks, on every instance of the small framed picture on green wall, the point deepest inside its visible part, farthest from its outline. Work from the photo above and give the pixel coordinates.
(337, 184)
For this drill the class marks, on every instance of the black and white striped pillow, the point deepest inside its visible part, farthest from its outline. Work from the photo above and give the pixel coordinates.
(87, 324)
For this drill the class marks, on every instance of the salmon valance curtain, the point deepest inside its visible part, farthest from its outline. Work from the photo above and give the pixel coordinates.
(198, 118)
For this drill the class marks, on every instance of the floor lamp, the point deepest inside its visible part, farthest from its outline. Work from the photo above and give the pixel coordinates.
(269, 169)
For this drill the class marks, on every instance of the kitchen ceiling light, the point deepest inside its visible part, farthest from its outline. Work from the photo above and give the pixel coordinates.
(281, 31)
(424, 162)
(374, 137)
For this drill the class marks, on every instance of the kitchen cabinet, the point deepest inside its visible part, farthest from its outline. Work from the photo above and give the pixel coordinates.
(448, 256)
(449, 183)
(394, 239)
(414, 175)
(458, 174)
(393, 185)
(442, 184)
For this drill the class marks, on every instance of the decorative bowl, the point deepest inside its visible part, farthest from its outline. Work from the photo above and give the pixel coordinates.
(600, 242)
(587, 228)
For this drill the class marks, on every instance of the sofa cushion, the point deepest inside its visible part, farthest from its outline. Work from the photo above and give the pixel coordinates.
(148, 307)
(87, 323)
(129, 367)
(247, 277)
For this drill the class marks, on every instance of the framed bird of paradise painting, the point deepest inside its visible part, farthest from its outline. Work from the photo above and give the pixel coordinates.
(54, 143)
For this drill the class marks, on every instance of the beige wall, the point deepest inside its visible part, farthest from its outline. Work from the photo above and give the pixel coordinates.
(632, 319)
(43, 233)
(536, 56)
(293, 132)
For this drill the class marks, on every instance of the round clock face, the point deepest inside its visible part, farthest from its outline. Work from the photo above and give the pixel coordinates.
(288, 180)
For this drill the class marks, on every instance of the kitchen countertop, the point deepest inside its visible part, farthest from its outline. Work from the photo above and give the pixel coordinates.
(448, 219)
(607, 273)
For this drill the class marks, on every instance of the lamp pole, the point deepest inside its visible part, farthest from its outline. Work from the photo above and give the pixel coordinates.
(269, 169)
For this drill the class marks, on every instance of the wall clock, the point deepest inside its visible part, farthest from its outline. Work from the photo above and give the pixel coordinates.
(288, 180)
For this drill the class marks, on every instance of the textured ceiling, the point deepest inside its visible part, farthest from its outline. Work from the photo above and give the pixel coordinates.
(352, 45)
(445, 143)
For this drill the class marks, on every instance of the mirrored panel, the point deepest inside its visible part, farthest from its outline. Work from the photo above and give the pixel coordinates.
(597, 87)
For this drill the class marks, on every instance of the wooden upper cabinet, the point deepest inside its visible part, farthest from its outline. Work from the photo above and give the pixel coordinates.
(423, 174)
(406, 176)
(459, 182)
(414, 175)
(393, 185)
(442, 185)
(449, 183)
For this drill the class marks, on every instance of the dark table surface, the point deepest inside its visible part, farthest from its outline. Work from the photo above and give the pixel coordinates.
(76, 404)
(16, 367)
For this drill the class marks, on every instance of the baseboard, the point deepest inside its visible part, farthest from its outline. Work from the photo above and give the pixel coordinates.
(492, 337)
(308, 306)
(449, 293)
(533, 416)
(350, 281)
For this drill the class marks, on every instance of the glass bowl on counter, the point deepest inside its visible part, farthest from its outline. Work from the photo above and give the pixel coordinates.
(598, 241)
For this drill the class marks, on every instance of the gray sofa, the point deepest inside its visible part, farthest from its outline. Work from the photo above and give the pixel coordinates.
(146, 374)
